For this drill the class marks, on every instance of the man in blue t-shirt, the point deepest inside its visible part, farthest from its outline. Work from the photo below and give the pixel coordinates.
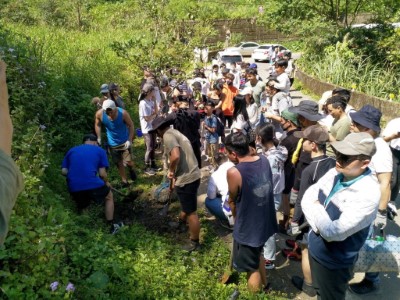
(82, 165)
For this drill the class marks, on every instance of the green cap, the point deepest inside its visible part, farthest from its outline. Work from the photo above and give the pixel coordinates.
(287, 115)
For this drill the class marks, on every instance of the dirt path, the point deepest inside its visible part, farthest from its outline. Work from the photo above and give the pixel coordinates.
(280, 278)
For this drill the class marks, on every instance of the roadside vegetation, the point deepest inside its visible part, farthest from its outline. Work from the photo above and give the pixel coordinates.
(366, 59)
(58, 54)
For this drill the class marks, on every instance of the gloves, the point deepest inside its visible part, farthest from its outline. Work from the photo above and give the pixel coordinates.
(391, 211)
(293, 229)
(99, 141)
(380, 220)
(128, 144)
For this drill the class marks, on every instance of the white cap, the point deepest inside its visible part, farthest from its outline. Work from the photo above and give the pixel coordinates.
(246, 91)
(108, 104)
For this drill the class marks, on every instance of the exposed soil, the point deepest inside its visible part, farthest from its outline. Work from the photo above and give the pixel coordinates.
(142, 208)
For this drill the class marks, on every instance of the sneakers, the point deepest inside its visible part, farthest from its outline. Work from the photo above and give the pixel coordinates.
(269, 264)
(116, 227)
(364, 287)
(124, 184)
(155, 167)
(225, 224)
(299, 283)
(149, 171)
(191, 246)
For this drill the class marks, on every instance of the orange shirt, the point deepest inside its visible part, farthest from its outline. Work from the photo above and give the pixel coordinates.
(227, 105)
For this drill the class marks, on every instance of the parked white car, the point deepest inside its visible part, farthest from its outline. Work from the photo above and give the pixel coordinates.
(227, 57)
(244, 48)
(263, 52)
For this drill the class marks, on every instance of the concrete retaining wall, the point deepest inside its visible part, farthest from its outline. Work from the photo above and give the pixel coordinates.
(249, 30)
(390, 110)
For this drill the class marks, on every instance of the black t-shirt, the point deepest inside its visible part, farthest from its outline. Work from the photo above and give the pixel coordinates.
(304, 160)
(290, 143)
(318, 167)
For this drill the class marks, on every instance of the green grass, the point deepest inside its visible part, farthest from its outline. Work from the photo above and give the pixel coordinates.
(340, 66)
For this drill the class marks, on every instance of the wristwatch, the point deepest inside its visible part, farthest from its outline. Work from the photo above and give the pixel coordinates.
(382, 211)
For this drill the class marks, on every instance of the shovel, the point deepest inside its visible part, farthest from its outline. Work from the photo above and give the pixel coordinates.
(117, 191)
(164, 210)
(228, 273)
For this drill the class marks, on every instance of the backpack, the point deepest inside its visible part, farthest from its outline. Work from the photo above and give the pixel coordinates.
(220, 127)
(188, 123)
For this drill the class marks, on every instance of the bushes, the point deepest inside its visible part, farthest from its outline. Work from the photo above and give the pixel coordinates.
(52, 74)
(339, 64)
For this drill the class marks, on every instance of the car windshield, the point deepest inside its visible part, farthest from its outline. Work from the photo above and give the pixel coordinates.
(238, 45)
(264, 47)
(231, 58)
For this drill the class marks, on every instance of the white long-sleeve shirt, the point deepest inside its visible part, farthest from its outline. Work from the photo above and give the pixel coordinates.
(340, 221)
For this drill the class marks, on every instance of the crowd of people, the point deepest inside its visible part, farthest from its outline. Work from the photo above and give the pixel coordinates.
(330, 169)
(312, 162)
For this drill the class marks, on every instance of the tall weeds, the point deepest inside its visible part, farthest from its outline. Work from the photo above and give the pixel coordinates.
(339, 65)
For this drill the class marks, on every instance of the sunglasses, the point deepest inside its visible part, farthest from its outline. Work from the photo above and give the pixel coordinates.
(345, 160)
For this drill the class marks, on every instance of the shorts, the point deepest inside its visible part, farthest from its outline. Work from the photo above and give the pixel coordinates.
(246, 258)
(123, 155)
(187, 196)
(84, 198)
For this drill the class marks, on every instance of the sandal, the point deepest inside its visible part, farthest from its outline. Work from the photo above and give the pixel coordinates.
(291, 243)
(291, 254)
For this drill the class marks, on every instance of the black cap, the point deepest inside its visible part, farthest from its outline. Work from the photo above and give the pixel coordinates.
(160, 121)
(112, 86)
(89, 137)
(210, 103)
